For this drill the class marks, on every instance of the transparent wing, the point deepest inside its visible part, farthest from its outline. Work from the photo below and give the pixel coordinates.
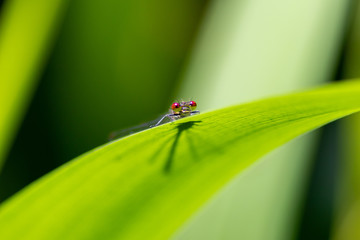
(158, 121)
(131, 130)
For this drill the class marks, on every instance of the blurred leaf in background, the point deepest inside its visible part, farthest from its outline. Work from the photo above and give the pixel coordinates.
(115, 65)
(347, 218)
(26, 33)
(252, 49)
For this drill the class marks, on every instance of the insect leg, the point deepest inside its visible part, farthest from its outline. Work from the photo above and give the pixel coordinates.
(170, 116)
(194, 112)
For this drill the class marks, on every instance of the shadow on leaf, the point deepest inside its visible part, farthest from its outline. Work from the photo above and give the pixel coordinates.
(182, 127)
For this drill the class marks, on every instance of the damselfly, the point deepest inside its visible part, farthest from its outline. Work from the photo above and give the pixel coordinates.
(177, 111)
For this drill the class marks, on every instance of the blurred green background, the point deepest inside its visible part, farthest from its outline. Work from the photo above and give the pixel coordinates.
(87, 68)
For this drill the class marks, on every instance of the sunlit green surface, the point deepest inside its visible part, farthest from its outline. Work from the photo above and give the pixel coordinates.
(148, 184)
(26, 29)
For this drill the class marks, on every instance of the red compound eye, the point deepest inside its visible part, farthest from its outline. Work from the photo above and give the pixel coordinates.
(175, 106)
(192, 105)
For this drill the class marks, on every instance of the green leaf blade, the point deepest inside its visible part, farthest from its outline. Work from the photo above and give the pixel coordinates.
(149, 184)
(27, 29)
